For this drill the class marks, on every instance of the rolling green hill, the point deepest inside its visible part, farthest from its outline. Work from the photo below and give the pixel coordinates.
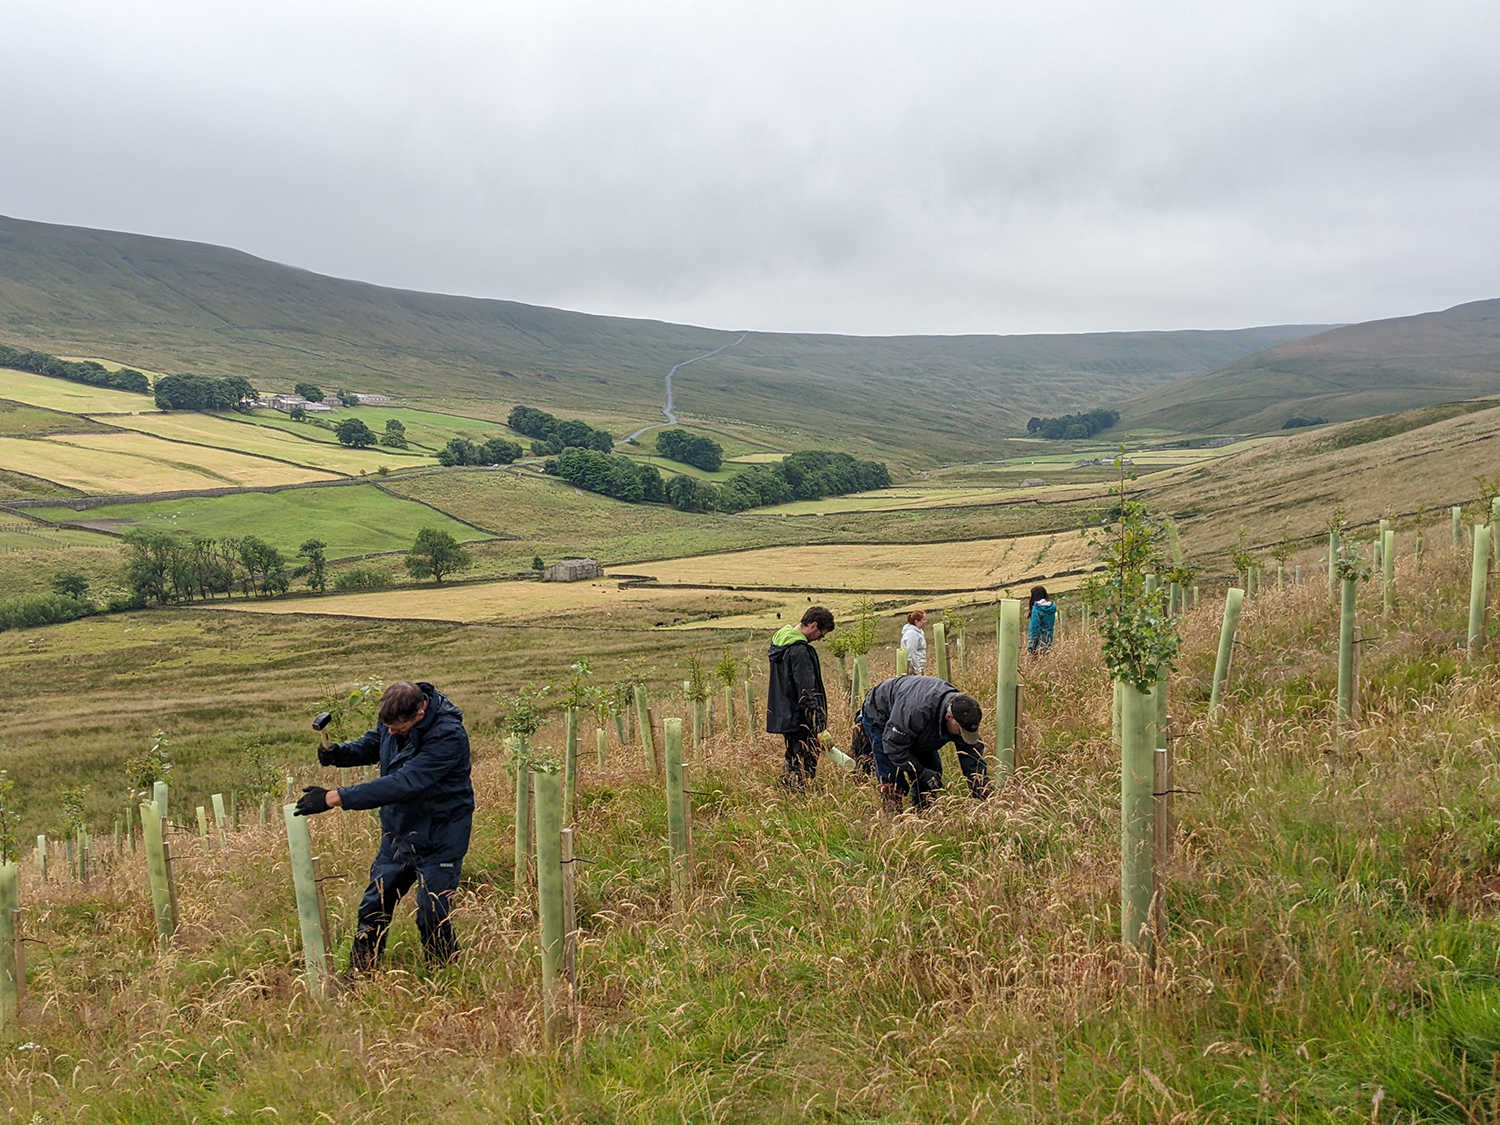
(167, 305)
(1352, 372)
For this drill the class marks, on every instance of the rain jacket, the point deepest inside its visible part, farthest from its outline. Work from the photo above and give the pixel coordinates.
(795, 700)
(910, 712)
(424, 794)
(915, 643)
(1039, 632)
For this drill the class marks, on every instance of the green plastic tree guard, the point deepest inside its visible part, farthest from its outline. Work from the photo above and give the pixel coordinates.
(902, 661)
(523, 816)
(309, 913)
(749, 707)
(1388, 570)
(862, 670)
(202, 824)
(1007, 665)
(221, 818)
(156, 872)
(549, 884)
(940, 650)
(1456, 513)
(676, 813)
(41, 857)
(1234, 602)
(1346, 651)
(700, 724)
(643, 719)
(159, 797)
(570, 766)
(1137, 814)
(11, 984)
(1479, 587)
(729, 709)
(601, 741)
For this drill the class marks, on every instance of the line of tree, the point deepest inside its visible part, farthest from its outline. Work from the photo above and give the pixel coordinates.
(609, 474)
(1073, 427)
(204, 392)
(553, 435)
(810, 475)
(691, 449)
(74, 370)
(494, 451)
(164, 568)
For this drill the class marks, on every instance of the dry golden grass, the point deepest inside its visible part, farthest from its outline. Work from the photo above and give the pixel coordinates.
(121, 463)
(246, 437)
(74, 398)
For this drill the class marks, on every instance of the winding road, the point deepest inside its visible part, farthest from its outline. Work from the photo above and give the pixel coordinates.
(667, 409)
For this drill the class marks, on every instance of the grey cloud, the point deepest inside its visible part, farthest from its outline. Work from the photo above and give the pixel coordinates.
(863, 168)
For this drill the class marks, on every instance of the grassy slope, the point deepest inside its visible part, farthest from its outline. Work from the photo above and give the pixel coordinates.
(1332, 934)
(1345, 373)
(183, 306)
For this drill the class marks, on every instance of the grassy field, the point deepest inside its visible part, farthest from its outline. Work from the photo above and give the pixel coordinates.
(1331, 937)
(981, 563)
(19, 419)
(352, 520)
(72, 398)
(118, 463)
(32, 555)
(426, 430)
(231, 433)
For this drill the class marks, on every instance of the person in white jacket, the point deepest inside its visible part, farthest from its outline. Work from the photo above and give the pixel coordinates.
(914, 641)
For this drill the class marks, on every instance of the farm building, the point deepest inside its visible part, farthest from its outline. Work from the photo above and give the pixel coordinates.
(572, 570)
(373, 400)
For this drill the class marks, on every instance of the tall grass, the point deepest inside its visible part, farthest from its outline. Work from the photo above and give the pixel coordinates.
(1331, 953)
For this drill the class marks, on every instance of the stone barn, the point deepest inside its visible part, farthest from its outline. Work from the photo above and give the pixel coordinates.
(572, 570)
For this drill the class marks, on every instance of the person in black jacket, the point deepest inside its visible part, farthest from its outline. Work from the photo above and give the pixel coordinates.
(426, 803)
(908, 720)
(796, 704)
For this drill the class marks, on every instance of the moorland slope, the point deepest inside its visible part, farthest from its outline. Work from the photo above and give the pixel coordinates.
(1345, 373)
(169, 305)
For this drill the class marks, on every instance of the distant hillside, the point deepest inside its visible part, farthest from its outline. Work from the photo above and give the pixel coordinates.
(180, 306)
(1345, 373)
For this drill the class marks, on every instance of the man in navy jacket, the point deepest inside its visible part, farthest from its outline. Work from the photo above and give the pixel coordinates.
(426, 804)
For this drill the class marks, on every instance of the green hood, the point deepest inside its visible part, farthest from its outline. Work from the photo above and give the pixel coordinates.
(788, 635)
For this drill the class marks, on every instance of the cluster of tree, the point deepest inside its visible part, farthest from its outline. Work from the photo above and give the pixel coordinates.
(165, 568)
(701, 452)
(609, 474)
(553, 435)
(395, 434)
(354, 433)
(1073, 427)
(26, 611)
(1297, 422)
(798, 476)
(462, 451)
(203, 392)
(313, 393)
(77, 371)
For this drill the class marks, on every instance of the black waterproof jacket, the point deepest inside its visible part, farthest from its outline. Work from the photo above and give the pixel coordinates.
(795, 700)
(424, 794)
(910, 710)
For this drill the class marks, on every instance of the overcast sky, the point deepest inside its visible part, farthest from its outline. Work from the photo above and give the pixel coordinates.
(859, 167)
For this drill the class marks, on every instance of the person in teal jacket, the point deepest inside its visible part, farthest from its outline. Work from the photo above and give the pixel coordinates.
(1043, 620)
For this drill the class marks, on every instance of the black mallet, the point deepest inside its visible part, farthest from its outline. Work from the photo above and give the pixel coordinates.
(320, 723)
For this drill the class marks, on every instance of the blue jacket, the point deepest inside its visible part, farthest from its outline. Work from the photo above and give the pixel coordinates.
(1039, 633)
(424, 794)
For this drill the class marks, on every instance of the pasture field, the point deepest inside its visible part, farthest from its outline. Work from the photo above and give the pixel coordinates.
(20, 486)
(32, 555)
(351, 519)
(17, 419)
(428, 430)
(992, 564)
(1329, 950)
(69, 397)
(229, 432)
(117, 463)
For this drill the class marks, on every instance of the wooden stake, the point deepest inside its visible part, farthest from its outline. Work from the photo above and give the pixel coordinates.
(749, 707)
(166, 851)
(317, 870)
(1359, 649)
(41, 857)
(570, 922)
(1161, 823)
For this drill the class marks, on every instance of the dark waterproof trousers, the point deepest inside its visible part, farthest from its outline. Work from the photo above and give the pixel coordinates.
(801, 759)
(976, 772)
(435, 882)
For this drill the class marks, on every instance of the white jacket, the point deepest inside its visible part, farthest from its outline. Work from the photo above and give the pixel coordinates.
(915, 644)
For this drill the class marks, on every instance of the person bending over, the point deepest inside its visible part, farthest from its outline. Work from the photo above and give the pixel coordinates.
(907, 720)
(426, 803)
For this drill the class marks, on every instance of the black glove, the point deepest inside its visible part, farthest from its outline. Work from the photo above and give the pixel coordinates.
(325, 756)
(314, 800)
(929, 781)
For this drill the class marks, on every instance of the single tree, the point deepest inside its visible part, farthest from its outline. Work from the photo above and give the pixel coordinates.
(436, 554)
(537, 564)
(297, 414)
(317, 563)
(71, 584)
(353, 432)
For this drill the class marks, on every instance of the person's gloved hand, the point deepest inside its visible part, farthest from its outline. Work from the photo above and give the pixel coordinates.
(929, 781)
(825, 738)
(314, 800)
(325, 755)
